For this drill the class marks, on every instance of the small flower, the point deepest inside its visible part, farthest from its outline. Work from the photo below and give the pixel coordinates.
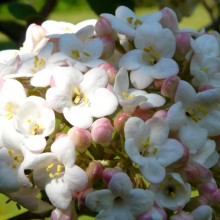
(57, 173)
(120, 200)
(81, 97)
(152, 58)
(173, 193)
(148, 145)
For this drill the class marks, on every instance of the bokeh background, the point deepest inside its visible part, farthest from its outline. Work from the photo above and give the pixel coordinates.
(16, 15)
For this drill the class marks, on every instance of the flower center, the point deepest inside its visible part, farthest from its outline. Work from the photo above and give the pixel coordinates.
(38, 64)
(134, 22)
(76, 54)
(147, 149)
(79, 97)
(196, 113)
(150, 55)
(127, 96)
(34, 127)
(10, 111)
(17, 158)
(170, 191)
(55, 170)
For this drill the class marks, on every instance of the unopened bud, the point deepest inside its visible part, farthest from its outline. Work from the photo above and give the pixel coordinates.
(94, 171)
(81, 138)
(169, 86)
(108, 173)
(109, 47)
(111, 70)
(119, 121)
(101, 131)
(103, 28)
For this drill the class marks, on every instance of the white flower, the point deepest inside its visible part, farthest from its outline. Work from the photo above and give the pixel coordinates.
(201, 149)
(120, 200)
(126, 21)
(201, 109)
(205, 70)
(86, 52)
(34, 121)
(173, 193)
(148, 145)
(57, 173)
(153, 57)
(81, 97)
(203, 212)
(130, 98)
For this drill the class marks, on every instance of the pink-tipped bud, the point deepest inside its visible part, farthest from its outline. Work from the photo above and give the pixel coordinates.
(103, 28)
(119, 122)
(169, 19)
(111, 70)
(205, 87)
(108, 173)
(160, 114)
(81, 199)
(195, 173)
(94, 171)
(60, 135)
(102, 131)
(210, 191)
(161, 213)
(158, 83)
(182, 45)
(81, 138)
(109, 46)
(169, 86)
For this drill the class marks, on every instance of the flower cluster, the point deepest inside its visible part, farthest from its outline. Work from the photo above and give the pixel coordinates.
(116, 118)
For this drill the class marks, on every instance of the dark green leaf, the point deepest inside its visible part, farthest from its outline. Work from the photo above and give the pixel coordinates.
(22, 11)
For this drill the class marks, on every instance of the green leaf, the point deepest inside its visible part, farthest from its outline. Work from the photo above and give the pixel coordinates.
(22, 11)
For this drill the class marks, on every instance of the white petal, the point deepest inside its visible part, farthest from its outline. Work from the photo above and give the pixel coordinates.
(152, 170)
(169, 152)
(78, 116)
(94, 47)
(76, 178)
(64, 149)
(203, 212)
(141, 78)
(99, 200)
(140, 201)
(121, 82)
(59, 193)
(104, 103)
(131, 60)
(35, 144)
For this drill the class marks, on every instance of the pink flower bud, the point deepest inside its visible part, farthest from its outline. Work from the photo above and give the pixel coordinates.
(169, 86)
(94, 171)
(160, 114)
(120, 120)
(205, 87)
(108, 173)
(182, 45)
(81, 199)
(109, 47)
(60, 135)
(111, 70)
(210, 191)
(169, 19)
(158, 83)
(195, 173)
(81, 138)
(102, 131)
(103, 28)
(149, 215)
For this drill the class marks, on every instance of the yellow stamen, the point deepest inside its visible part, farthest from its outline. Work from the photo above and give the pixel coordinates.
(75, 54)
(49, 167)
(130, 19)
(137, 22)
(205, 69)
(86, 54)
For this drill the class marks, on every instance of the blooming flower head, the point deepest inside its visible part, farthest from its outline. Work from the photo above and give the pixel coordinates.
(120, 200)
